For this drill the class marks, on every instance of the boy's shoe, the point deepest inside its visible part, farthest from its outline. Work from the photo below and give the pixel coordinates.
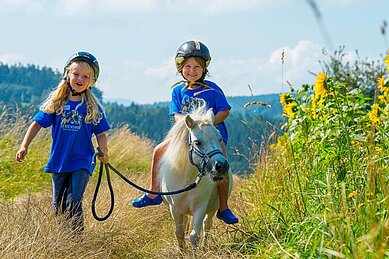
(144, 201)
(227, 216)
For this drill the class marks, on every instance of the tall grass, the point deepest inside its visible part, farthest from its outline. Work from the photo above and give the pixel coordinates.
(17, 178)
(28, 228)
(322, 190)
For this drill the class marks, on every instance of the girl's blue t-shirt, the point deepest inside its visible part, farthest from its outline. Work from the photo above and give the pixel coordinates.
(72, 148)
(184, 100)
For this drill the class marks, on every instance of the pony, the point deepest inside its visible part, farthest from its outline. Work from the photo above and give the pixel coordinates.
(193, 155)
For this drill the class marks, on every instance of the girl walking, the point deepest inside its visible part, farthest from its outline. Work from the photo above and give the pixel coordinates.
(74, 115)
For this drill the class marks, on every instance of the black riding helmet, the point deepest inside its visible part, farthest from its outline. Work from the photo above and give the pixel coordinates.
(86, 57)
(192, 49)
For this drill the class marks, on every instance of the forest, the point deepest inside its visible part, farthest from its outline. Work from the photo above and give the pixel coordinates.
(24, 88)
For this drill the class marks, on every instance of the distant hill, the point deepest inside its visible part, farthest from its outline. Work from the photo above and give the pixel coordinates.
(237, 103)
(120, 101)
(25, 87)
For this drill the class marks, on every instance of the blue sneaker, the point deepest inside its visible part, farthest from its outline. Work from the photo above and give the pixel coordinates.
(227, 216)
(144, 201)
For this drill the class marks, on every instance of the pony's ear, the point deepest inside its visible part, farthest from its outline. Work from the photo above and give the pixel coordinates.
(189, 122)
(210, 116)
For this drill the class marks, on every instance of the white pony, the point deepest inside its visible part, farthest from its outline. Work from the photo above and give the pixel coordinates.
(194, 152)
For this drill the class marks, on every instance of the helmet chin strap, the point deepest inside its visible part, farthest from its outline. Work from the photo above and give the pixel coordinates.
(74, 93)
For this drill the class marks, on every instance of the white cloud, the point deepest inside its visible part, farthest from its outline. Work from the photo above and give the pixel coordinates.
(12, 58)
(146, 83)
(93, 7)
(137, 81)
(98, 7)
(164, 70)
(17, 6)
(218, 6)
(298, 61)
(265, 75)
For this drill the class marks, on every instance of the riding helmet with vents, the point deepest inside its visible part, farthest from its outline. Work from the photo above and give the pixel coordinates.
(192, 48)
(86, 57)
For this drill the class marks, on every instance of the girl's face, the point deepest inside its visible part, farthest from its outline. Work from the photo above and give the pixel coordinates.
(192, 71)
(79, 77)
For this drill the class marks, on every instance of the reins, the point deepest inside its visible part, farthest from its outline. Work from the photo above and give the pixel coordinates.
(112, 196)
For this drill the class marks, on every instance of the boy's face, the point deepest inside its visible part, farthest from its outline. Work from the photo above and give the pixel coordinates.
(192, 71)
(79, 77)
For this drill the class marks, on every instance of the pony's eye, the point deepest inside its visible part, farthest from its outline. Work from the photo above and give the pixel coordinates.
(197, 142)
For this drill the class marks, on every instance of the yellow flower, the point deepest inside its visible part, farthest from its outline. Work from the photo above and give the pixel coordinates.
(319, 88)
(373, 114)
(352, 194)
(381, 85)
(288, 110)
(285, 99)
(384, 98)
(378, 149)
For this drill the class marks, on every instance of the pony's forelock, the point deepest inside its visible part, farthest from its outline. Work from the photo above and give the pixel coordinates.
(178, 134)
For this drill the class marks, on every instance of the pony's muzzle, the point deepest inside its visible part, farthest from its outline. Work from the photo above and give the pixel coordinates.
(220, 170)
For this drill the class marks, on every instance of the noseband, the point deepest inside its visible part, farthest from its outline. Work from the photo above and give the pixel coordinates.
(205, 157)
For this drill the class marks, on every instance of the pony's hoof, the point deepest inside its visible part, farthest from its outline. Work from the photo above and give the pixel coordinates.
(227, 216)
(144, 201)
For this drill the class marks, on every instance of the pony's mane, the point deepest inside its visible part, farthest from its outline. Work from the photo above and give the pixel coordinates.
(178, 134)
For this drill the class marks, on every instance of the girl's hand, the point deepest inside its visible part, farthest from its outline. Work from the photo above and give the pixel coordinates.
(21, 154)
(105, 157)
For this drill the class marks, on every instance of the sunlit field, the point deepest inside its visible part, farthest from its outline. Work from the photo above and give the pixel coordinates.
(320, 189)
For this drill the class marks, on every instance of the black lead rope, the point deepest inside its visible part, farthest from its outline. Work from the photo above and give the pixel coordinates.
(112, 195)
(109, 166)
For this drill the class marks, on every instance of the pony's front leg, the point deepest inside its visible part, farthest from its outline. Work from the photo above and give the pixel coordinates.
(198, 217)
(179, 226)
(207, 224)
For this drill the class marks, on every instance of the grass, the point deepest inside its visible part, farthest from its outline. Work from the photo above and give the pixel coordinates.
(30, 230)
(295, 205)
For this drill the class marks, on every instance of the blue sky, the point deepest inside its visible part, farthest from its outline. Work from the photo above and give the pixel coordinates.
(135, 40)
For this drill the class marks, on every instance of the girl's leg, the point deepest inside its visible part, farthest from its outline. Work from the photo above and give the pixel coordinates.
(224, 212)
(60, 183)
(223, 186)
(151, 199)
(158, 152)
(79, 180)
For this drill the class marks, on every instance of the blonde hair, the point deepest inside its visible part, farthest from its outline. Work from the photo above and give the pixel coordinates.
(57, 99)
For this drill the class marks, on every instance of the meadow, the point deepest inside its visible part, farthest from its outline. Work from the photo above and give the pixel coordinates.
(320, 190)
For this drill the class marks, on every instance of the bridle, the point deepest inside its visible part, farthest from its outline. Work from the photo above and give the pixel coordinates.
(205, 157)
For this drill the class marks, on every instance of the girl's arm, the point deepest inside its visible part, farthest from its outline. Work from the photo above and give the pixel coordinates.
(102, 141)
(221, 116)
(30, 135)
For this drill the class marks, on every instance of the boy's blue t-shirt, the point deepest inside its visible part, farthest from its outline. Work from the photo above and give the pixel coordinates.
(72, 148)
(183, 100)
